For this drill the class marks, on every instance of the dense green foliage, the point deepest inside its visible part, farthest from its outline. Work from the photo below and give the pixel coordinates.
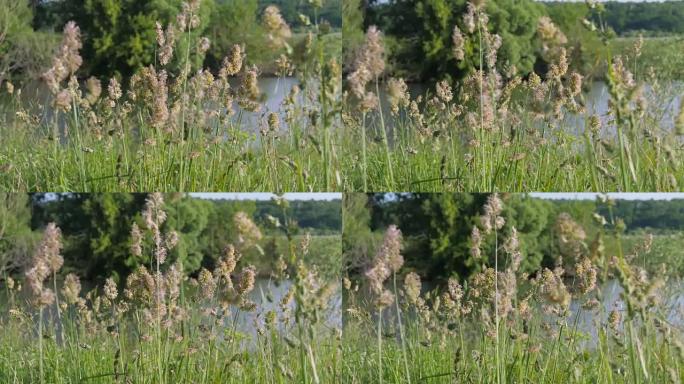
(421, 33)
(23, 51)
(660, 49)
(649, 18)
(662, 55)
(624, 18)
(169, 127)
(120, 36)
(17, 240)
(162, 324)
(352, 29)
(437, 228)
(97, 230)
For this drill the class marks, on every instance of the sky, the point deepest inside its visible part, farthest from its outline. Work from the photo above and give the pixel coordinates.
(267, 196)
(623, 196)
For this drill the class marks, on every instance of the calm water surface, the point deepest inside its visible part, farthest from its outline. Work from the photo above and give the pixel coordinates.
(274, 91)
(589, 322)
(596, 98)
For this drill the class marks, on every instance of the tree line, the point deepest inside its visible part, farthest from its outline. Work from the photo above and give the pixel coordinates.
(649, 18)
(418, 33)
(437, 228)
(96, 229)
(119, 36)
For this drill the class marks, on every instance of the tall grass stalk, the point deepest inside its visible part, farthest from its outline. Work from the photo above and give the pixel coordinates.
(172, 128)
(516, 132)
(550, 326)
(401, 328)
(385, 140)
(162, 330)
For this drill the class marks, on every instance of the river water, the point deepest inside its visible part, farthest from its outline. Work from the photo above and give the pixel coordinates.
(581, 320)
(664, 104)
(267, 296)
(36, 98)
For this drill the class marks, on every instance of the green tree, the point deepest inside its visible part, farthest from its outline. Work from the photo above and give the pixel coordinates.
(119, 36)
(358, 241)
(97, 231)
(424, 31)
(352, 29)
(17, 239)
(220, 229)
(22, 50)
(189, 217)
(437, 230)
(236, 22)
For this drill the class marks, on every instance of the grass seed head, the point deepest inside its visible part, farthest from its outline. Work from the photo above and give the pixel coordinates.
(110, 290)
(276, 27)
(390, 251)
(459, 42)
(247, 280)
(248, 232)
(207, 284)
(397, 94)
(412, 287)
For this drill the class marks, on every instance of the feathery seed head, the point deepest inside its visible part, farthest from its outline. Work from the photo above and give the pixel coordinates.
(459, 42)
(374, 52)
(232, 64)
(110, 290)
(397, 94)
(94, 88)
(390, 251)
(136, 240)
(247, 280)
(248, 233)
(71, 288)
(276, 26)
(207, 284)
(412, 287)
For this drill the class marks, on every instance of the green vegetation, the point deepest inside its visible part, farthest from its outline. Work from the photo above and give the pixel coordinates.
(23, 51)
(96, 231)
(419, 32)
(507, 321)
(159, 324)
(661, 55)
(645, 17)
(660, 44)
(437, 228)
(496, 130)
(119, 37)
(17, 240)
(172, 127)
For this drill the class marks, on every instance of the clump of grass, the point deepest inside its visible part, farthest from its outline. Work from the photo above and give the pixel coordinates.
(164, 326)
(504, 325)
(498, 130)
(174, 127)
